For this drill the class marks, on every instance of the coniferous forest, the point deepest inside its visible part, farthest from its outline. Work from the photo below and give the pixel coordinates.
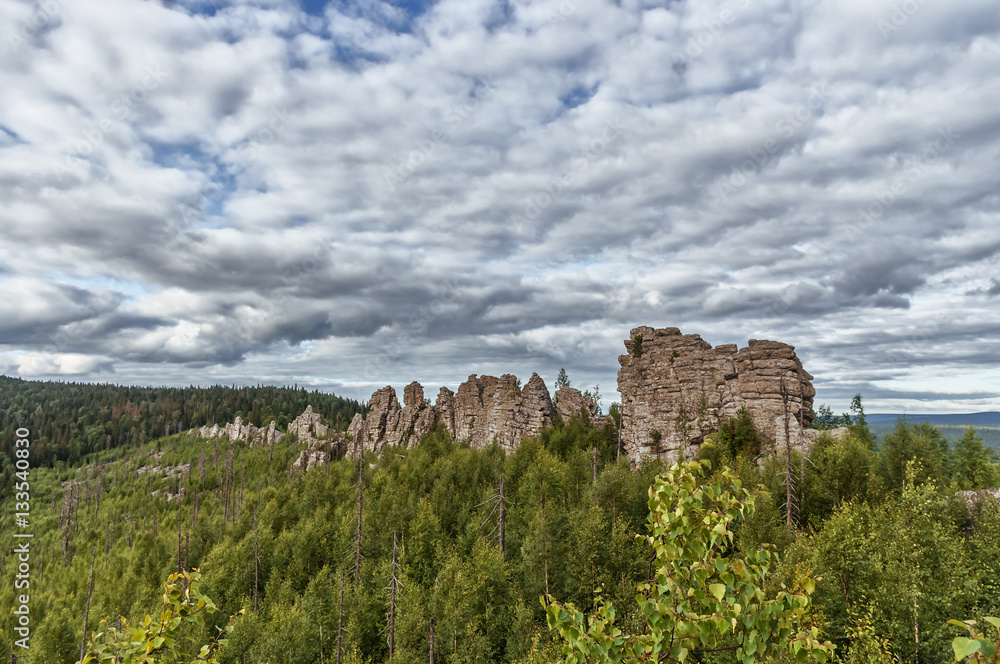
(443, 552)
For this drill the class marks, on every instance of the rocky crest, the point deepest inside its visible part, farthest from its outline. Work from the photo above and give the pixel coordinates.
(236, 430)
(675, 388)
(484, 409)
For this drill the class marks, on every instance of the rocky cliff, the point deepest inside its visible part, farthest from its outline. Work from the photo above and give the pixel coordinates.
(676, 387)
(484, 409)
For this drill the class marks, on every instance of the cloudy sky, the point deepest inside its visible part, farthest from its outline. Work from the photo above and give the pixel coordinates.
(353, 194)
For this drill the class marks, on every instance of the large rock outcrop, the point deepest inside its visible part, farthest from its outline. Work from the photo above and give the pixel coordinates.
(675, 388)
(484, 409)
(571, 402)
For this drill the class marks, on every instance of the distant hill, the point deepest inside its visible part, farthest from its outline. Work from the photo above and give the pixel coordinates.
(987, 419)
(987, 425)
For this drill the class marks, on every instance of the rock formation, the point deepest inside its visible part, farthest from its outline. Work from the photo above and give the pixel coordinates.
(675, 388)
(236, 430)
(571, 402)
(483, 409)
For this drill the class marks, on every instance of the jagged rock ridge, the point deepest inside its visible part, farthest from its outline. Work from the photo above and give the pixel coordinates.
(675, 388)
(484, 409)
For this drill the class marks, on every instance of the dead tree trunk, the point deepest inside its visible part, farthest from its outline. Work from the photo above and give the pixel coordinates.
(432, 641)
(503, 517)
(256, 561)
(393, 586)
(178, 535)
(357, 535)
(340, 615)
(243, 472)
(789, 481)
(86, 611)
(595, 465)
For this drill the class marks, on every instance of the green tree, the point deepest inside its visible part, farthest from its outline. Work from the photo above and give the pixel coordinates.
(825, 419)
(737, 435)
(919, 442)
(973, 469)
(703, 599)
(562, 380)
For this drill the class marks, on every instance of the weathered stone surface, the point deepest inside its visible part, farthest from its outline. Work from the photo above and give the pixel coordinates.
(571, 402)
(308, 425)
(676, 388)
(974, 498)
(484, 409)
(236, 430)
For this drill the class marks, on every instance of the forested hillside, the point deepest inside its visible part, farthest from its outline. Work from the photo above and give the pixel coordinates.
(461, 543)
(71, 420)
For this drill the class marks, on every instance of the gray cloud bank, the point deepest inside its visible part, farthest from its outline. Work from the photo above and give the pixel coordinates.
(366, 197)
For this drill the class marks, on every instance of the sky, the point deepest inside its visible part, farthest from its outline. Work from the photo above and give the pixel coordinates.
(345, 195)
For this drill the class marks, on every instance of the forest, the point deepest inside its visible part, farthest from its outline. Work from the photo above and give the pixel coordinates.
(445, 553)
(71, 420)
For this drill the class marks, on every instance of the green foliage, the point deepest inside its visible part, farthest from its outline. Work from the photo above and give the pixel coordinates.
(972, 467)
(978, 647)
(165, 638)
(562, 380)
(837, 471)
(920, 442)
(637, 345)
(738, 436)
(866, 645)
(703, 599)
(825, 419)
(890, 555)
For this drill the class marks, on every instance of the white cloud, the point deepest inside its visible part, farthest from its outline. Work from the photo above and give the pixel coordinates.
(258, 178)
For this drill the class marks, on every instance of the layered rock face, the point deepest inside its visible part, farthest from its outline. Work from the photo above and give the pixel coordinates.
(675, 388)
(483, 409)
(571, 402)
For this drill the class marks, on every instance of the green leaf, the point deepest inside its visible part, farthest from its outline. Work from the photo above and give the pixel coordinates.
(964, 647)
(718, 589)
